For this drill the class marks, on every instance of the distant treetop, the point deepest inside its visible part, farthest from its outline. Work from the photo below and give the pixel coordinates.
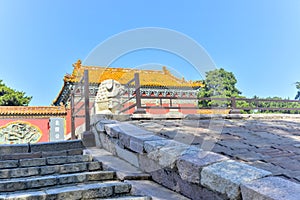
(12, 97)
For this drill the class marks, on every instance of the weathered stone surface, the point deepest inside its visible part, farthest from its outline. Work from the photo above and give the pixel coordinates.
(137, 142)
(71, 178)
(100, 125)
(191, 163)
(4, 173)
(32, 162)
(11, 185)
(150, 146)
(124, 170)
(92, 166)
(154, 190)
(13, 148)
(127, 131)
(71, 192)
(49, 170)
(167, 177)
(113, 130)
(97, 190)
(24, 172)
(57, 146)
(41, 182)
(36, 195)
(167, 155)
(54, 153)
(79, 158)
(74, 167)
(8, 164)
(73, 152)
(196, 191)
(55, 160)
(128, 156)
(270, 188)
(148, 165)
(226, 177)
(17, 156)
(132, 176)
(120, 188)
(108, 143)
(100, 175)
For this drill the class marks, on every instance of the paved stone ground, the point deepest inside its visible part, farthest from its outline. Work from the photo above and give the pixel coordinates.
(270, 144)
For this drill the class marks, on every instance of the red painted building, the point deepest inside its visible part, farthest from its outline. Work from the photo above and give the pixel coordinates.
(23, 124)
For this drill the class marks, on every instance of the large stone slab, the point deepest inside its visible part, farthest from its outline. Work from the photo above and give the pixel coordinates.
(70, 192)
(34, 195)
(71, 178)
(13, 148)
(129, 131)
(130, 157)
(24, 172)
(137, 142)
(32, 162)
(108, 143)
(100, 125)
(9, 164)
(113, 130)
(17, 156)
(270, 188)
(150, 146)
(41, 182)
(74, 167)
(194, 159)
(157, 192)
(124, 170)
(166, 156)
(94, 191)
(57, 146)
(227, 176)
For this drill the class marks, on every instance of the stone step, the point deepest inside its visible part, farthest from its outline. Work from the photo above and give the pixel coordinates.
(18, 184)
(42, 154)
(54, 160)
(56, 146)
(124, 170)
(156, 191)
(50, 169)
(79, 191)
(41, 147)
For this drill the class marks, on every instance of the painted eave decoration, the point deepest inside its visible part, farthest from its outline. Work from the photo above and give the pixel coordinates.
(32, 111)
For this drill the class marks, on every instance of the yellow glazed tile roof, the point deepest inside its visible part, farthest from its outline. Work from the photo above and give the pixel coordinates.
(154, 78)
(32, 111)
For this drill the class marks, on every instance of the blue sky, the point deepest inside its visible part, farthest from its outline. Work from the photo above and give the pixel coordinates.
(257, 40)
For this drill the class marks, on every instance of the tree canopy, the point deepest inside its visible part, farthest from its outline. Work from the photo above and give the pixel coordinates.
(218, 84)
(12, 97)
(298, 87)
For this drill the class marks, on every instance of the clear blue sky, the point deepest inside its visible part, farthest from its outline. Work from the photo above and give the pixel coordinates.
(257, 40)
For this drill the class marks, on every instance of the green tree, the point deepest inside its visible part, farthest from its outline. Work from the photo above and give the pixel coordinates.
(11, 97)
(218, 84)
(298, 88)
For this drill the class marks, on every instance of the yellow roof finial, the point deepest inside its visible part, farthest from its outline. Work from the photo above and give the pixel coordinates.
(165, 70)
(77, 65)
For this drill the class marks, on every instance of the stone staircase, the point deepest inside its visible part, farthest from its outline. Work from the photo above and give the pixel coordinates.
(58, 170)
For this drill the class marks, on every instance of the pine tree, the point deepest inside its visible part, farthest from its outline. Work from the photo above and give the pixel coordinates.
(11, 97)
